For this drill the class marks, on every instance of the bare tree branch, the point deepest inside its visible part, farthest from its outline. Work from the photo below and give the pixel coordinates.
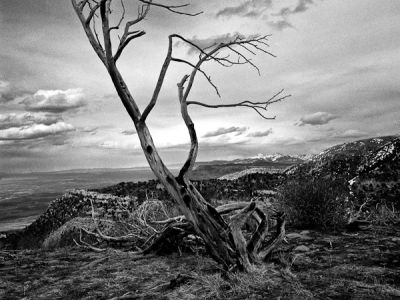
(173, 8)
(86, 26)
(194, 145)
(94, 27)
(86, 245)
(259, 107)
(104, 13)
(278, 238)
(258, 237)
(200, 70)
(130, 35)
(160, 82)
(240, 55)
(212, 54)
(122, 17)
(82, 4)
(236, 225)
(226, 244)
(92, 13)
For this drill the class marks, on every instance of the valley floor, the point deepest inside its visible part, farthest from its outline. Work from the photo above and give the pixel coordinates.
(312, 265)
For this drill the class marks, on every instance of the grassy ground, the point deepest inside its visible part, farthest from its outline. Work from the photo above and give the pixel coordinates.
(365, 265)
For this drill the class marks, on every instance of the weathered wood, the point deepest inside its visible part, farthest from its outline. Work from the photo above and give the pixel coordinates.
(275, 241)
(236, 225)
(259, 236)
(226, 243)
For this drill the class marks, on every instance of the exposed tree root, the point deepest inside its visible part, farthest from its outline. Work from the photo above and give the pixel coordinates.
(171, 238)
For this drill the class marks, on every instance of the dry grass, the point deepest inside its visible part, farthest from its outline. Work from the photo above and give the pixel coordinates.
(63, 235)
(381, 214)
(361, 266)
(140, 225)
(71, 273)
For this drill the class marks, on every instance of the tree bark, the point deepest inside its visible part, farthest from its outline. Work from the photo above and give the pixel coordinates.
(225, 242)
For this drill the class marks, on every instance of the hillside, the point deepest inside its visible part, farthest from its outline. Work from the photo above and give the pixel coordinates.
(275, 163)
(378, 177)
(370, 168)
(344, 160)
(312, 264)
(126, 195)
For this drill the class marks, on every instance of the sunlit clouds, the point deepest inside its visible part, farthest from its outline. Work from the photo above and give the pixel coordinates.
(58, 109)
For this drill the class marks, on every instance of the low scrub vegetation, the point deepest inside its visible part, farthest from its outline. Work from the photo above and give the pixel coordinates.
(315, 203)
(384, 215)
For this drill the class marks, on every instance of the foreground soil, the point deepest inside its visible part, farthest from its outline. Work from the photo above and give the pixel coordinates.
(312, 265)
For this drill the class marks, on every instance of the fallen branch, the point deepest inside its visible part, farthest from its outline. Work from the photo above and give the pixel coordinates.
(86, 245)
(275, 241)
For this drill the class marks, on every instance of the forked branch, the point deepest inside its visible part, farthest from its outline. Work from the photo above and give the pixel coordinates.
(129, 35)
(260, 107)
(85, 21)
(173, 8)
(217, 53)
(227, 244)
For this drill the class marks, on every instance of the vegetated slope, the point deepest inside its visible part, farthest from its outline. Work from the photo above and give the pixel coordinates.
(344, 160)
(269, 163)
(241, 189)
(371, 166)
(237, 175)
(378, 177)
(116, 199)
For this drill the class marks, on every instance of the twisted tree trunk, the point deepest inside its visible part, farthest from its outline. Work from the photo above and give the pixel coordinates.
(225, 241)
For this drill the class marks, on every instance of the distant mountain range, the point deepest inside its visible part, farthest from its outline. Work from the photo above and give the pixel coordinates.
(344, 160)
(261, 163)
(370, 167)
(278, 157)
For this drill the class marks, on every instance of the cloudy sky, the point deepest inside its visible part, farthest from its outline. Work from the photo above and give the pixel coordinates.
(339, 59)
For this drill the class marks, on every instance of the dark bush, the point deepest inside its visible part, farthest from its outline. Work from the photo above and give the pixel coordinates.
(315, 203)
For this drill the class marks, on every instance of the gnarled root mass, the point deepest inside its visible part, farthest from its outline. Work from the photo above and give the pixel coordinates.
(247, 224)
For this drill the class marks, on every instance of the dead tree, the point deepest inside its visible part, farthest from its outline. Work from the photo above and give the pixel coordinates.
(224, 240)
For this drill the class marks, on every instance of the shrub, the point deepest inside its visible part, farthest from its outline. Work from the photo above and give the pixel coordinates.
(315, 203)
(384, 215)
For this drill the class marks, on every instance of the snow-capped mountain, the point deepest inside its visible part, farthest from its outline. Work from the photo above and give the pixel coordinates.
(278, 157)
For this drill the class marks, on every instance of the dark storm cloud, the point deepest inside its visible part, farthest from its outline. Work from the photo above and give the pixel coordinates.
(24, 119)
(222, 131)
(55, 101)
(250, 9)
(260, 133)
(318, 118)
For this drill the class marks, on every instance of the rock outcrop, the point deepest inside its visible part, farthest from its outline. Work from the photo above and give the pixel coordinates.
(76, 203)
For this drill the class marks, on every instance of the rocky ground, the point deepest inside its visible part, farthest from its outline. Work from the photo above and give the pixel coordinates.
(363, 264)
(312, 265)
